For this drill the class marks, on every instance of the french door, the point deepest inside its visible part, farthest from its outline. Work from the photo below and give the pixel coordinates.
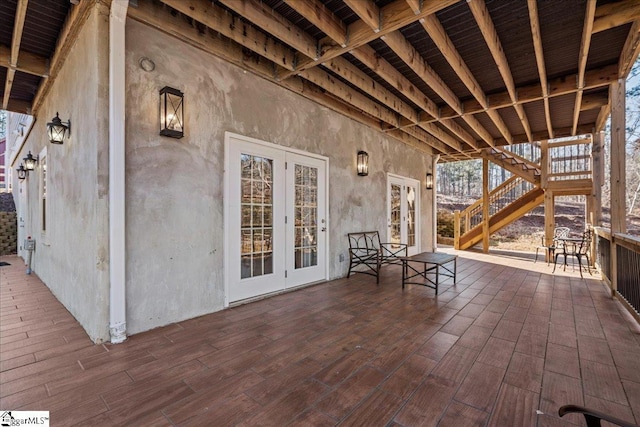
(275, 218)
(403, 212)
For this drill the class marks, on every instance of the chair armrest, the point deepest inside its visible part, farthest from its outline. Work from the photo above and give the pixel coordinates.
(593, 417)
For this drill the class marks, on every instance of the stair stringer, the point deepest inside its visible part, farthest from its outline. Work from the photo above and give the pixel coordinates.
(504, 217)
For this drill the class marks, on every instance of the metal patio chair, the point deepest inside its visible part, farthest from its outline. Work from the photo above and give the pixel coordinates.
(559, 233)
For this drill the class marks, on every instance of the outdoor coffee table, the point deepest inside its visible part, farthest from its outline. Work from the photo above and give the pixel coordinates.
(430, 261)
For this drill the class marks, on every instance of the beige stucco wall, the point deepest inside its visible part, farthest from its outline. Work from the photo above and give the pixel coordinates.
(175, 186)
(71, 258)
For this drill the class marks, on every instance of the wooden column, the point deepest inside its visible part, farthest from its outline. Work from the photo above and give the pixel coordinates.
(549, 205)
(485, 205)
(597, 168)
(456, 230)
(549, 220)
(618, 177)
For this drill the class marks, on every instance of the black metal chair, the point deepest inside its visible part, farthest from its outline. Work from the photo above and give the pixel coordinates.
(593, 417)
(559, 234)
(578, 249)
(365, 249)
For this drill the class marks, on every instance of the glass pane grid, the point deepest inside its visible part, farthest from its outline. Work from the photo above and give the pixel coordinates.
(256, 228)
(306, 212)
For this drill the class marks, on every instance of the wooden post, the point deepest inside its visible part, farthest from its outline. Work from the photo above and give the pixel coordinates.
(597, 168)
(456, 230)
(549, 220)
(618, 176)
(485, 205)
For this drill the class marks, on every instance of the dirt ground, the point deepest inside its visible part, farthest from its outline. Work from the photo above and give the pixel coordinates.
(527, 232)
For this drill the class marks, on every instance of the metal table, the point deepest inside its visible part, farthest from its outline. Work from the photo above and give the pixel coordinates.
(430, 261)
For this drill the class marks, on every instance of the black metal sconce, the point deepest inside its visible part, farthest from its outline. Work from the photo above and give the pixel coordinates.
(58, 129)
(171, 112)
(22, 172)
(429, 181)
(363, 163)
(30, 162)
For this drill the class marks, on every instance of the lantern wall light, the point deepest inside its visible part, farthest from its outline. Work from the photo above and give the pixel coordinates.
(58, 129)
(30, 162)
(363, 163)
(171, 112)
(22, 172)
(429, 181)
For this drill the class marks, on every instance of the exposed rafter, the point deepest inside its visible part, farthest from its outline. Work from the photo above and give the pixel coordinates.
(415, 5)
(483, 19)
(393, 17)
(317, 13)
(613, 15)
(542, 69)
(67, 38)
(582, 60)
(18, 25)
(27, 63)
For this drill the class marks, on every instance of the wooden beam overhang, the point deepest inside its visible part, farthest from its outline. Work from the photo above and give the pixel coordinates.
(317, 13)
(67, 38)
(412, 58)
(317, 85)
(613, 15)
(367, 11)
(415, 5)
(18, 25)
(393, 17)
(534, 20)
(483, 19)
(27, 62)
(582, 60)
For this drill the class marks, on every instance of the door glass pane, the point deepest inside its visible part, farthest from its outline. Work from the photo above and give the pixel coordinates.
(256, 230)
(411, 215)
(395, 213)
(306, 212)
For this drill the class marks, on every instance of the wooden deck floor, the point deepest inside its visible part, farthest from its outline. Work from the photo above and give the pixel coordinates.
(506, 346)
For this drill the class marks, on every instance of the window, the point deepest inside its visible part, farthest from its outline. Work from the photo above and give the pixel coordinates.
(43, 190)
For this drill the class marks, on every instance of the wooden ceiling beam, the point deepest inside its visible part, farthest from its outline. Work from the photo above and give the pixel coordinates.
(391, 75)
(27, 62)
(230, 26)
(415, 5)
(19, 106)
(488, 30)
(367, 11)
(264, 17)
(412, 58)
(582, 58)
(613, 15)
(366, 84)
(565, 85)
(394, 16)
(66, 40)
(630, 50)
(220, 46)
(534, 20)
(16, 39)
(317, 13)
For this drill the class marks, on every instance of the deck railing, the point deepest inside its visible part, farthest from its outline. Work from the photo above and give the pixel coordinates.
(622, 269)
(504, 194)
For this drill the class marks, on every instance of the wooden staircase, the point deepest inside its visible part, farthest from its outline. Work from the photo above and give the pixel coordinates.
(565, 169)
(514, 163)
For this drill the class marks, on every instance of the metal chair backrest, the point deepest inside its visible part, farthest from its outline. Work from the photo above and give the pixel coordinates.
(561, 233)
(585, 244)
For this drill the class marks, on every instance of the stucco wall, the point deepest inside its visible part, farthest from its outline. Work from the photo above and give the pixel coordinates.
(175, 187)
(71, 258)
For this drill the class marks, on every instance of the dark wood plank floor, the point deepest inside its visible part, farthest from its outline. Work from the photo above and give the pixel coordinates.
(505, 346)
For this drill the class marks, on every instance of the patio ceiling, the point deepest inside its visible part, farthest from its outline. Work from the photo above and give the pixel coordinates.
(445, 76)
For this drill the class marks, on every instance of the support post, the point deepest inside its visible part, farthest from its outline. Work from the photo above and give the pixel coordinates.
(434, 197)
(117, 230)
(456, 230)
(594, 202)
(618, 175)
(485, 205)
(549, 219)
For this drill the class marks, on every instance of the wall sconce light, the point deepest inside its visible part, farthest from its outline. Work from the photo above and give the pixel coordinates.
(429, 181)
(22, 172)
(363, 163)
(30, 162)
(58, 130)
(171, 112)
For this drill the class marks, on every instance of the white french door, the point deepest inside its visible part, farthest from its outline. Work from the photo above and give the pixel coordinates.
(403, 212)
(275, 218)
